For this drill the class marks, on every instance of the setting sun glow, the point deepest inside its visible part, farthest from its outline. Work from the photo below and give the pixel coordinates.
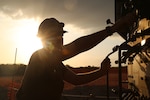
(26, 40)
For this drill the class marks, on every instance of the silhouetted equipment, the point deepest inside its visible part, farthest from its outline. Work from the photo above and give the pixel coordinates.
(135, 51)
(122, 7)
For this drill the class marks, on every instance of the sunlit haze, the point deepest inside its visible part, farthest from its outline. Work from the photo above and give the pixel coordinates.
(19, 22)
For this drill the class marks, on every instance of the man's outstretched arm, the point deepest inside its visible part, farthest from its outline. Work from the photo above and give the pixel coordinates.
(84, 43)
(83, 78)
(87, 42)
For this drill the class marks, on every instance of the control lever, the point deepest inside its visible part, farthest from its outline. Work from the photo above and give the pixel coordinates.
(108, 21)
(113, 50)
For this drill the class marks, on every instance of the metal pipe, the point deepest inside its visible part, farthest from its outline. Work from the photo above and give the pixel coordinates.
(120, 74)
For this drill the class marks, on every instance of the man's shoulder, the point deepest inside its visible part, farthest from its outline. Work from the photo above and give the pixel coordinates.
(38, 52)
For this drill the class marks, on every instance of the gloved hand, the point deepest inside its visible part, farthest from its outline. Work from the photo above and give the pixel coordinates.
(105, 65)
(122, 25)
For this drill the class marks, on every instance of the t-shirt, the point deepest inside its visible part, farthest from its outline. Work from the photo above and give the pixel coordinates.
(43, 79)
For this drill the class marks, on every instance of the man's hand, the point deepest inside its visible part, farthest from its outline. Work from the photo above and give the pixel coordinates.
(105, 65)
(123, 24)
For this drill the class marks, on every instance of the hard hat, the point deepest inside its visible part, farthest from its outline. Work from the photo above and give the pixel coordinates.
(50, 27)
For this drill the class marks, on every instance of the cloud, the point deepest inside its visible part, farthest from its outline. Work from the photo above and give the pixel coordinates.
(81, 13)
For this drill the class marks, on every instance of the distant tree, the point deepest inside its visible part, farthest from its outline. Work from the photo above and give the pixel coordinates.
(12, 69)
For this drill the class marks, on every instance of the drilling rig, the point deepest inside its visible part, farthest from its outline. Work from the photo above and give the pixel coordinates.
(135, 51)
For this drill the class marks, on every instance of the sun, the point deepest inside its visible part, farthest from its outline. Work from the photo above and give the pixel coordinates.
(26, 40)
